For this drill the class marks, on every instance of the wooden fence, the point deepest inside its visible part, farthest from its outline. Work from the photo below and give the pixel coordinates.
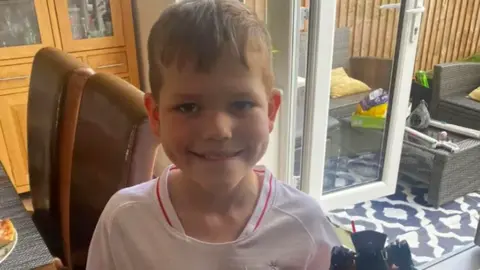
(450, 29)
(260, 7)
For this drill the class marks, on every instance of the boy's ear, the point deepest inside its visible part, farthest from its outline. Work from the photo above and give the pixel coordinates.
(273, 106)
(153, 114)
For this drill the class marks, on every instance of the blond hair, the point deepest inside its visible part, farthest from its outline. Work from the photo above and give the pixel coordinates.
(199, 31)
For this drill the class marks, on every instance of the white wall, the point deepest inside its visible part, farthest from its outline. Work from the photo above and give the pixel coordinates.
(145, 14)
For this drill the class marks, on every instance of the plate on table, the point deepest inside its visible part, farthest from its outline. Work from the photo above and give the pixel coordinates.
(8, 238)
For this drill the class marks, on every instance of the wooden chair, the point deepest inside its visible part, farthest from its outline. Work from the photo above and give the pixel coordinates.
(109, 147)
(52, 70)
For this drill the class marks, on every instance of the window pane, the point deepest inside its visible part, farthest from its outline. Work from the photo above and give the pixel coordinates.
(90, 19)
(18, 23)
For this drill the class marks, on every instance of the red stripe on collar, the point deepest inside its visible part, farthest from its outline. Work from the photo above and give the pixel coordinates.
(161, 204)
(265, 206)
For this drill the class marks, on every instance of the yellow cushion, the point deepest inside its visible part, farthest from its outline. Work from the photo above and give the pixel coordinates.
(475, 94)
(343, 85)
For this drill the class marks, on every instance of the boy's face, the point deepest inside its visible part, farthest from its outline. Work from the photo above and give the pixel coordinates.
(214, 126)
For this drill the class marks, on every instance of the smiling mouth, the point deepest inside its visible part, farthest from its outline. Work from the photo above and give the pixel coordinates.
(217, 156)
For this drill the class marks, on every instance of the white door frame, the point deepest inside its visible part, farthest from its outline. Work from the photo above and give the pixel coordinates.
(322, 18)
(283, 24)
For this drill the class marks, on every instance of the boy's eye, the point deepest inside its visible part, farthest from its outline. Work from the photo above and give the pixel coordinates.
(188, 108)
(243, 105)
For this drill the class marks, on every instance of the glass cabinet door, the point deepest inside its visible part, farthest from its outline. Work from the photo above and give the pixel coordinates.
(90, 24)
(90, 19)
(24, 28)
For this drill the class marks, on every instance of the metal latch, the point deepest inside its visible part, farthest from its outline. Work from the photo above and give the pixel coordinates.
(416, 12)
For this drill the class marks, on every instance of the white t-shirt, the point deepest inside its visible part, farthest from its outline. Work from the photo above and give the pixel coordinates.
(139, 229)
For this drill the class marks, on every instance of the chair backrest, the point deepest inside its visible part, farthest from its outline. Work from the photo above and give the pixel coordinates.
(66, 139)
(113, 148)
(341, 50)
(453, 78)
(51, 71)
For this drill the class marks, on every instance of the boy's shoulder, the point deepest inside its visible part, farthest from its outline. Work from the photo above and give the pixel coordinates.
(295, 201)
(305, 211)
(130, 198)
(136, 193)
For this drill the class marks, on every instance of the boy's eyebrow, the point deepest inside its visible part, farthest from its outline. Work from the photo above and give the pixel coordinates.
(246, 94)
(241, 91)
(187, 96)
(234, 90)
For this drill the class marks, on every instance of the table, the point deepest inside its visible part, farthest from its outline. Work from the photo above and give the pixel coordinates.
(31, 251)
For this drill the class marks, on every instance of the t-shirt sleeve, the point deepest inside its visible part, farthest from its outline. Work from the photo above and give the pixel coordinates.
(100, 252)
(325, 239)
(321, 258)
(106, 249)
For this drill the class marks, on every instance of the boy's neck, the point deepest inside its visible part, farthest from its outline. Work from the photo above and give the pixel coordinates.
(221, 200)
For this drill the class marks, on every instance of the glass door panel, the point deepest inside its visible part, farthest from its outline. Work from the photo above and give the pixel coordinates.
(353, 63)
(360, 76)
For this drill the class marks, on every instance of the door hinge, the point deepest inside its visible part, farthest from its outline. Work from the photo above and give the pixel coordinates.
(304, 13)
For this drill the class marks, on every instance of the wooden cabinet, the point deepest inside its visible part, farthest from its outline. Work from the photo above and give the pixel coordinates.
(24, 28)
(97, 32)
(126, 78)
(13, 120)
(86, 25)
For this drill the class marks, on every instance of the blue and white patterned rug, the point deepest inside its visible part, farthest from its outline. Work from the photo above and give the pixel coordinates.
(406, 215)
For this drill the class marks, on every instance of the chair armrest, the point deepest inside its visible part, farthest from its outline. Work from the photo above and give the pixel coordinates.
(375, 72)
(451, 78)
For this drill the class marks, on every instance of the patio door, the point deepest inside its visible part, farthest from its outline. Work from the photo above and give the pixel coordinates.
(330, 55)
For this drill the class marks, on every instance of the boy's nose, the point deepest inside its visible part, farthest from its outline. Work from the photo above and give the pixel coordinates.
(217, 126)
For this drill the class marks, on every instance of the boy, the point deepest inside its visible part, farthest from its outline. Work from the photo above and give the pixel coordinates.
(212, 106)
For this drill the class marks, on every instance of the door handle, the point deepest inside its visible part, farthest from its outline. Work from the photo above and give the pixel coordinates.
(390, 6)
(416, 11)
(110, 66)
(17, 78)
